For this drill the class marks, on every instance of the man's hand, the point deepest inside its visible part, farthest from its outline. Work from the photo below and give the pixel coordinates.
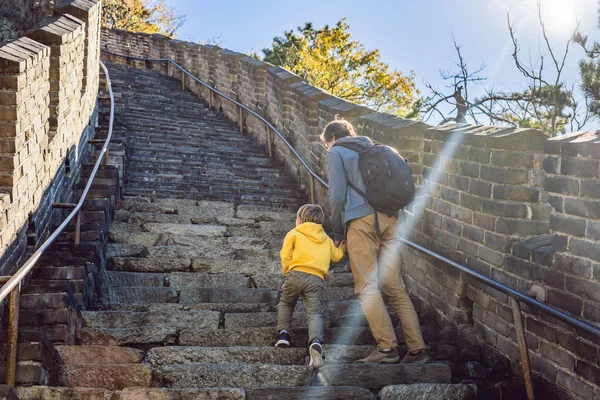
(283, 286)
(338, 242)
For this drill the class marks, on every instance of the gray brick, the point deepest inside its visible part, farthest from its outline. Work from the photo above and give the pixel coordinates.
(568, 224)
(480, 188)
(496, 324)
(433, 218)
(557, 354)
(588, 371)
(573, 265)
(583, 287)
(508, 347)
(520, 227)
(473, 233)
(462, 214)
(577, 345)
(561, 184)
(479, 154)
(542, 365)
(583, 208)
(501, 209)
(442, 206)
(585, 168)
(557, 202)
(449, 239)
(493, 257)
(567, 302)
(518, 267)
(470, 169)
(593, 230)
(450, 195)
(542, 330)
(583, 248)
(510, 176)
(590, 188)
(485, 221)
(453, 226)
(516, 193)
(498, 242)
(504, 278)
(574, 384)
(458, 182)
(549, 277)
(512, 159)
(591, 312)
(541, 212)
(470, 202)
(551, 165)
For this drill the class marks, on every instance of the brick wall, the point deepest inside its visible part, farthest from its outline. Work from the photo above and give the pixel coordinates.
(48, 88)
(508, 203)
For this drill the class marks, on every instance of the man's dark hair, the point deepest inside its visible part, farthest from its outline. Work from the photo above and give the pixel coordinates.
(337, 128)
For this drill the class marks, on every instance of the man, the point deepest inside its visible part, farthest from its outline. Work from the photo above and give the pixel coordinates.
(373, 250)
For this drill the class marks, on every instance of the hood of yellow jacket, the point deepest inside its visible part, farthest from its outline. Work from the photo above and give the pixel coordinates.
(313, 231)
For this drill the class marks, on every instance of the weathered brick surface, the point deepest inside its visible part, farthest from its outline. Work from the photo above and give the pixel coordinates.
(508, 203)
(48, 88)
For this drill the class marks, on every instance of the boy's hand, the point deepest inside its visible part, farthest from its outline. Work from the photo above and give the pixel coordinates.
(283, 286)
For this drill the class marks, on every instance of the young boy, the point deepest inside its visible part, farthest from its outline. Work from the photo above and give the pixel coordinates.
(305, 257)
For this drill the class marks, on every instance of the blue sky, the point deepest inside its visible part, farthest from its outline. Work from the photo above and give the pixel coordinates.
(411, 34)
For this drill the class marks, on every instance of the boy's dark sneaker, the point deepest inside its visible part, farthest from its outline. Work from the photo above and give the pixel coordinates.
(315, 351)
(390, 356)
(284, 339)
(418, 357)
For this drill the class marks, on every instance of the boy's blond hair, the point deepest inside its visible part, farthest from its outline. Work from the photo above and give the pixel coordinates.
(311, 213)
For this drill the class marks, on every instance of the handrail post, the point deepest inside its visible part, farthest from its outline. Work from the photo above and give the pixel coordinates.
(241, 115)
(312, 189)
(77, 235)
(169, 68)
(183, 80)
(13, 335)
(210, 99)
(105, 159)
(269, 142)
(525, 364)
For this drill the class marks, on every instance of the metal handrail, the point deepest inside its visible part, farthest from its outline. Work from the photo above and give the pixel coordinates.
(12, 286)
(496, 285)
(514, 296)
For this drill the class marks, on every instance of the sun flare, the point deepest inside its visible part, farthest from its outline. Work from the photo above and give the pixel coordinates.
(559, 16)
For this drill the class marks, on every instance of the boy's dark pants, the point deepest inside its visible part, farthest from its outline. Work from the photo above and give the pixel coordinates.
(310, 287)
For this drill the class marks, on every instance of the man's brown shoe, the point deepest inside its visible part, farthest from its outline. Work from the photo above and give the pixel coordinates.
(418, 357)
(382, 357)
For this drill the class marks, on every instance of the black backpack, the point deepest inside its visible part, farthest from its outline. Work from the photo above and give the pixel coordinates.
(387, 177)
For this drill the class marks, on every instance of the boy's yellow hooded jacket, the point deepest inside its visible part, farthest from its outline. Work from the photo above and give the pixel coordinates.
(307, 248)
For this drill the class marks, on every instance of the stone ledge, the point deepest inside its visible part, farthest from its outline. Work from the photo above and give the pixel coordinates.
(57, 30)
(78, 8)
(20, 55)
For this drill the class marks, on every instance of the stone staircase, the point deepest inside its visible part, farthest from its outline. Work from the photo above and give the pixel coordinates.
(186, 303)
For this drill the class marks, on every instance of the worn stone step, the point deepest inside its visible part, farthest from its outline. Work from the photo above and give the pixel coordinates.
(246, 265)
(118, 279)
(62, 393)
(50, 300)
(377, 376)
(82, 355)
(112, 377)
(303, 393)
(233, 375)
(173, 318)
(143, 335)
(139, 295)
(59, 273)
(266, 336)
(63, 285)
(238, 295)
(426, 391)
(182, 394)
(333, 354)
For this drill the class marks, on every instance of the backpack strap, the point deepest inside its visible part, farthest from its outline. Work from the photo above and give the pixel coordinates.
(359, 149)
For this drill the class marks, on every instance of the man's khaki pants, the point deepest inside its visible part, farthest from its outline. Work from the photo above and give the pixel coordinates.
(375, 264)
(311, 288)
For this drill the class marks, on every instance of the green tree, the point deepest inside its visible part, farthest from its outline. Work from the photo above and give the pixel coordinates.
(589, 69)
(330, 59)
(148, 16)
